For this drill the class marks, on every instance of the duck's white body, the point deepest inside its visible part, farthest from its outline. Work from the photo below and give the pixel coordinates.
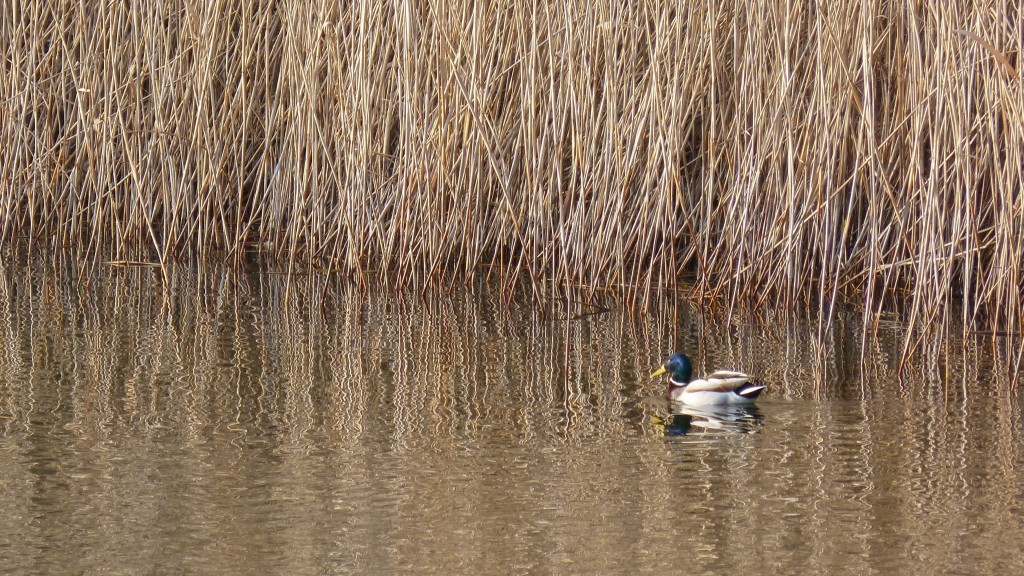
(721, 388)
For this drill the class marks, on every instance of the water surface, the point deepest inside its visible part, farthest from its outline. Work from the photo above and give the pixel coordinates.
(203, 426)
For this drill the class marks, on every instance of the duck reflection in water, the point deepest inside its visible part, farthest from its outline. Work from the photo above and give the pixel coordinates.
(685, 420)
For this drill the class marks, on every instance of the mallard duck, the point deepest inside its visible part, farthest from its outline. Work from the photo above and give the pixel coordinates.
(721, 388)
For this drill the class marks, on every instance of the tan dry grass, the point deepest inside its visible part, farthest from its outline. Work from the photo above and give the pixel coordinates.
(781, 151)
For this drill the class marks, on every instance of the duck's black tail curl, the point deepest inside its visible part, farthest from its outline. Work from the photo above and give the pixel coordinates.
(751, 390)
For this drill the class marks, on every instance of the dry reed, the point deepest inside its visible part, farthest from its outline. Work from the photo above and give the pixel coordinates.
(778, 151)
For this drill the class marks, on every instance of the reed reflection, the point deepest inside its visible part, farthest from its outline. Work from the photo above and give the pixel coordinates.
(305, 421)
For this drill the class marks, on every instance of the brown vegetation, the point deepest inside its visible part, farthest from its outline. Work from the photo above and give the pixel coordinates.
(779, 151)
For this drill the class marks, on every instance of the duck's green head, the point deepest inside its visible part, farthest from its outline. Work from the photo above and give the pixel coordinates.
(677, 367)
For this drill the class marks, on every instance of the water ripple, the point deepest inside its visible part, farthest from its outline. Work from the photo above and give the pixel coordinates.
(211, 429)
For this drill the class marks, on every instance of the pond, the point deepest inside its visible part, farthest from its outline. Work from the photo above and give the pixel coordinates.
(225, 422)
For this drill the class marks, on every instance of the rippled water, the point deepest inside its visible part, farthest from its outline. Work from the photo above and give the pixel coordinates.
(205, 427)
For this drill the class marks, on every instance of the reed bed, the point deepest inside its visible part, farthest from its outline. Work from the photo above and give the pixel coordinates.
(772, 152)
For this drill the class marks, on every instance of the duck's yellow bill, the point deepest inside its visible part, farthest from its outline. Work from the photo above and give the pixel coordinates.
(658, 372)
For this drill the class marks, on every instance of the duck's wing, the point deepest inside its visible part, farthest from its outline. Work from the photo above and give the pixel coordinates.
(720, 381)
(729, 374)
